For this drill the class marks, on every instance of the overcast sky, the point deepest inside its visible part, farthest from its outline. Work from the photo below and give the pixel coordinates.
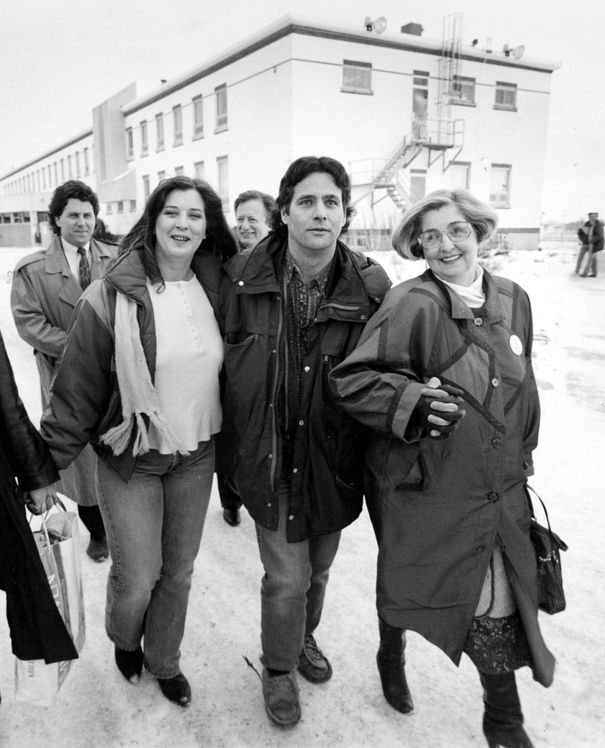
(60, 58)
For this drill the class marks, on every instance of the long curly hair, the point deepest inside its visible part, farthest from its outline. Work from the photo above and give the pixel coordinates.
(219, 240)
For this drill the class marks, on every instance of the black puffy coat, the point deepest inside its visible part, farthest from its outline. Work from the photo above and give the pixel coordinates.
(326, 483)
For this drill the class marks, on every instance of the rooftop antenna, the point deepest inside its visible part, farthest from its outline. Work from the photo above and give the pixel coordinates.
(379, 25)
(518, 52)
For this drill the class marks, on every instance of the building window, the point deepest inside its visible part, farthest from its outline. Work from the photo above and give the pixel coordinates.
(50, 177)
(133, 206)
(161, 176)
(129, 144)
(460, 175)
(86, 163)
(120, 206)
(356, 77)
(198, 117)
(463, 90)
(146, 187)
(499, 186)
(69, 172)
(144, 139)
(77, 164)
(221, 107)
(177, 118)
(199, 170)
(179, 171)
(159, 131)
(109, 209)
(62, 170)
(222, 164)
(506, 96)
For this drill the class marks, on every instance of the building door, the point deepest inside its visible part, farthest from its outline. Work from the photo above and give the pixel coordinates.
(417, 185)
(420, 99)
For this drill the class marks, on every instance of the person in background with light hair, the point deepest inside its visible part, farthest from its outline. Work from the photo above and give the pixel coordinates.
(443, 378)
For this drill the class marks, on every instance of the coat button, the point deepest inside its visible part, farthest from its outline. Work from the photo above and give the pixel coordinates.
(479, 321)
(240, 283)
(290, 516)
(493, 496)
(496, 442)
(307, 369)
(495, 382)
(295, 470)
(301, 422)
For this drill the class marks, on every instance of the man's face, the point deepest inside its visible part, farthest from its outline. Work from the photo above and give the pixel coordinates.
(592, 217)
(251, 223)
(316, 214)
(77, 222)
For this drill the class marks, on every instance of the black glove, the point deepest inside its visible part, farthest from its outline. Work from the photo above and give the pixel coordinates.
(425, 407)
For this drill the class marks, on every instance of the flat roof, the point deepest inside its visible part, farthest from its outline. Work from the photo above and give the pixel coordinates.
(290, 24)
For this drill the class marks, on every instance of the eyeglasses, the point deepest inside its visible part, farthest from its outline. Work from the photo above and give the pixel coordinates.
(457, 231)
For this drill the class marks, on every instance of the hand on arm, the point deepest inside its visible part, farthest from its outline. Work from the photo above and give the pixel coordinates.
(438, 411)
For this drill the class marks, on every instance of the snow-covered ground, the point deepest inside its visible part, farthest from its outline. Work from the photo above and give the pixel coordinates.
(97, 707)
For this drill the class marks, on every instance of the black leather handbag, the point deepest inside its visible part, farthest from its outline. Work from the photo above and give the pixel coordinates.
(548, 546)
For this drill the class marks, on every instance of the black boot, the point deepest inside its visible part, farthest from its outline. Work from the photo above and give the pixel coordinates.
(391, 666)
(503, 719)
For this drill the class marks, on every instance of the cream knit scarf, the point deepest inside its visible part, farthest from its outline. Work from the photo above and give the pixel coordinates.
(138, 395)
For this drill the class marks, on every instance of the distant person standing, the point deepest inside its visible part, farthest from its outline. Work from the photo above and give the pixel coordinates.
(594, 230)
(253, 212)
(46, 286)
(583, 239)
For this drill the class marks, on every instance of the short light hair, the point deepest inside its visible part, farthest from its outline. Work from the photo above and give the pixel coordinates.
(481, 217)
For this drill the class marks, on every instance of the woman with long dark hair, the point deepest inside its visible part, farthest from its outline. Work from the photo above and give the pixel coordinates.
(139, 379)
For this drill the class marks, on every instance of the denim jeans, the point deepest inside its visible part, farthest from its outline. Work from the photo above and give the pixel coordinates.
(293, 587)
(154, 526)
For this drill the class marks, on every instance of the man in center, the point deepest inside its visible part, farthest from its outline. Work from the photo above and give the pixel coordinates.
(294, 307)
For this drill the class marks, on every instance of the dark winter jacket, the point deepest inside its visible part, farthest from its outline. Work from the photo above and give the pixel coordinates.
(85, 399)
(36, 627)
(326, 481)
(595, 238)
(440, 506)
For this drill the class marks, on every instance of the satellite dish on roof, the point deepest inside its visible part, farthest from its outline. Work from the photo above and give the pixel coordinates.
(518, 52)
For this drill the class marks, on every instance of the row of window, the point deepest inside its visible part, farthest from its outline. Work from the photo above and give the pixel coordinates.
(357, 78)
(198, 171)
(72, 166)
(19, 217)
(463, 92)
(499, 181)
(197, 106)
(119, 206)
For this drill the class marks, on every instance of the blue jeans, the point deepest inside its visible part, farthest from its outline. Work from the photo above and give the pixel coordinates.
(293, 587)
(154, 526)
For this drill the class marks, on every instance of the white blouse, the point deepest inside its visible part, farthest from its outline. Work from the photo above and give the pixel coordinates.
(188, 361)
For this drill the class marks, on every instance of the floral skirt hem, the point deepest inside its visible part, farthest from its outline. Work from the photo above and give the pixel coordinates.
(497, 645)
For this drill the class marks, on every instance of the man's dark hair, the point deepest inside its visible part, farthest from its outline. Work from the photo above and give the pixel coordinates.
(63, 194)
(268, 202)
(301, 169)
(219, 240)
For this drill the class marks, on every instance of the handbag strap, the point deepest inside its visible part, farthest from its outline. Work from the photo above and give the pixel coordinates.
(531, 506)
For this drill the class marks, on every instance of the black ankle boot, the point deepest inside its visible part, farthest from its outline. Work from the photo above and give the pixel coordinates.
(503, 719)
(391, 666)
(176, 689)
(130, 664)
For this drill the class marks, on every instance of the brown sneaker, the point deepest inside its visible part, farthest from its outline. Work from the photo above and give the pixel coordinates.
(312, 663)
(281, 698)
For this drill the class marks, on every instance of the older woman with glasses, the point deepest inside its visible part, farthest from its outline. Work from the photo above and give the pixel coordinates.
(442, 376)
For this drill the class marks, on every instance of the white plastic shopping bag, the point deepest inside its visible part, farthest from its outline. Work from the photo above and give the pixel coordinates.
(37, 682)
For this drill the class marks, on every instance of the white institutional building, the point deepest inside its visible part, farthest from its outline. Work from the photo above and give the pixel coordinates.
(404, 114)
